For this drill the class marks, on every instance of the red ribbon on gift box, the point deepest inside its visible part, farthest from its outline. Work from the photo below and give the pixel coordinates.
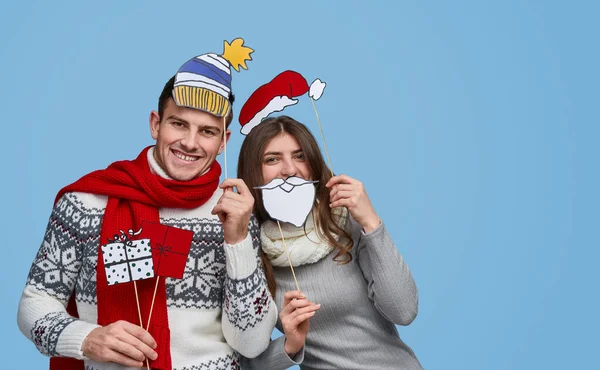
(172, 243)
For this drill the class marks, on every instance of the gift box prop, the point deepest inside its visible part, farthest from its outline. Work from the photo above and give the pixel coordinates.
(169, 247)
(153, 251)
(127, 260)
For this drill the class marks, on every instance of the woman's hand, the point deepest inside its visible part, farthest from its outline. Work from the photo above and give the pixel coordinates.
(350, 193)
(295, 315)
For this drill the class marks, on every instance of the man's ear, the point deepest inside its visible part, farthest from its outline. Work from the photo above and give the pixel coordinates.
(223, 142)
(154, 124)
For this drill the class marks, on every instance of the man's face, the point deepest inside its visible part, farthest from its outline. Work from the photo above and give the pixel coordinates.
(187, 140)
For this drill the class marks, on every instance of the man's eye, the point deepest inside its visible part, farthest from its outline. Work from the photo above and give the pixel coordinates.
(177, 123)
(208, 132)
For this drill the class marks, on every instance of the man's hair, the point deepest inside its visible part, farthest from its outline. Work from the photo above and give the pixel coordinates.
(167, 94)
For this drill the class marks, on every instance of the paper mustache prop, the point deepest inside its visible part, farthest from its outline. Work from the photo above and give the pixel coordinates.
(289, 200)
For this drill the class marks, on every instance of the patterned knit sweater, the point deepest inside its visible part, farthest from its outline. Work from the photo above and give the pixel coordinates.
(360, 304)
(219, 310)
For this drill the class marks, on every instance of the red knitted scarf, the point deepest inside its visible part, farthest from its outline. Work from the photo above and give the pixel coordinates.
(134, 195)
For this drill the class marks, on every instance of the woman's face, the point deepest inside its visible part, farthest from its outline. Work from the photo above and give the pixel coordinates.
(283, 157)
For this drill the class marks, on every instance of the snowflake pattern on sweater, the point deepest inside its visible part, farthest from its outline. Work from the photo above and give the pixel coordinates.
(204, 274)
(69, 252)
(68, 257)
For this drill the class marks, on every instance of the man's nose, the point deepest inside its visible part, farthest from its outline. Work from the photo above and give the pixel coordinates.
(190, 141)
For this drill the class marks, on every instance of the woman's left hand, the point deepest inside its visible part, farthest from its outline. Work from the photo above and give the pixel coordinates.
(350, 193)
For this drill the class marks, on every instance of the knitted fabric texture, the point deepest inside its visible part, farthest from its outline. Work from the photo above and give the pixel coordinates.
(135, 194)
(304, 244)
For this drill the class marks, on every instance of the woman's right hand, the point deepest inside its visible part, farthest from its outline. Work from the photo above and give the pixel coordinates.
(295, 315)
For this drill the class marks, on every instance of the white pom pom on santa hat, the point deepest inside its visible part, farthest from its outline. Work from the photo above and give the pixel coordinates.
(316, 89)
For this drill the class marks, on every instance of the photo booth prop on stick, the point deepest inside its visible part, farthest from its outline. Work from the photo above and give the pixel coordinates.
(204, 82)
(289, 200)
(127, 260)
(271, 97)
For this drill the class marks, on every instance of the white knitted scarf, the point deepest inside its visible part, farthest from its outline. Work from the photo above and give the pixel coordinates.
(303, 243)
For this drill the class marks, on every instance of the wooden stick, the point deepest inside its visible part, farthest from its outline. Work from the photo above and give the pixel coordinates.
(137, 300)
(288, 256)
(322, 135)
(225, 143)
(152, 305)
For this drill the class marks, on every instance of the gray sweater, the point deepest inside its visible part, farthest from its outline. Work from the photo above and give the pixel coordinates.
(360, 303)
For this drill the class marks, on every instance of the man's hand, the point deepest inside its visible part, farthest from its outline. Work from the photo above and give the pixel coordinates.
(350, 193)
(294, 316)
(234, 210)
(120, 342)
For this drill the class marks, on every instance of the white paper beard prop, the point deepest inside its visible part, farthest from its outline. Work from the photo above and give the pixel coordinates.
(289, 200)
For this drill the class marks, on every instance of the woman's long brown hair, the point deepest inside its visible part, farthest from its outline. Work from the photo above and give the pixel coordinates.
(250, 170)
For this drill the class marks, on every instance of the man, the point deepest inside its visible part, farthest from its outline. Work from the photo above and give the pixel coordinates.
(220, 309)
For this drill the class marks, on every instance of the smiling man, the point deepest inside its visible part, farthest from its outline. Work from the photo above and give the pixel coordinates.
(187, 140)
(219, 309)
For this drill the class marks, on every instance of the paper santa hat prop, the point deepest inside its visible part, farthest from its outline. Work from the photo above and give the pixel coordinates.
(275, 96)
(204, 82)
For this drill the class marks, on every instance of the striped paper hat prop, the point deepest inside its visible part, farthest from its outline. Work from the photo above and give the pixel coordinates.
(204, 82)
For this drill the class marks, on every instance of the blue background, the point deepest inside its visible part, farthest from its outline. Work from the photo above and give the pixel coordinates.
(473, 125)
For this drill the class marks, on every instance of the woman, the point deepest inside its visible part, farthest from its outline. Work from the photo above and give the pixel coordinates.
(343, 258)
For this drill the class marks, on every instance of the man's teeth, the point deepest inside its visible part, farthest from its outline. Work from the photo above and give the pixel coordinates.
(185, 157)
